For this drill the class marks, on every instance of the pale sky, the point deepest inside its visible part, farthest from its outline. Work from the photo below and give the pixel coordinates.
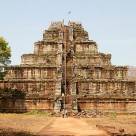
(111, 23)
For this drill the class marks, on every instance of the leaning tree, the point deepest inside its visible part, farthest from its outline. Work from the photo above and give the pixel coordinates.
(5, 55)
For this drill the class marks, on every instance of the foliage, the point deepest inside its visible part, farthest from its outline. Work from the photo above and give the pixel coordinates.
(5, 54)
(2, 74)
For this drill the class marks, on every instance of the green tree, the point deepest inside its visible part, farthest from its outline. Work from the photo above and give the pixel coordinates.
(5, 55)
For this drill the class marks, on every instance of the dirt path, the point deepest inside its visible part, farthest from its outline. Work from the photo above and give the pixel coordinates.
(70, 127)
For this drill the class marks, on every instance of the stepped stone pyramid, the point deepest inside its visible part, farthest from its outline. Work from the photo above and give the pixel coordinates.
(66, 71)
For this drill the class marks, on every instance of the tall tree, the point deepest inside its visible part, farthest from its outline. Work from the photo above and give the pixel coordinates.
(5, 55)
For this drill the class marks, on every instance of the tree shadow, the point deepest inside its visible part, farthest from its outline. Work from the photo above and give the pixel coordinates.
(11, 132)
(12, 101)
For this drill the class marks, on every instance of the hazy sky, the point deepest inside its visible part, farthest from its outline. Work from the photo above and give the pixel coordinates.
(111, 23)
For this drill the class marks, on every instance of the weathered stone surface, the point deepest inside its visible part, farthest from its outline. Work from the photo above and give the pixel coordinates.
(67, 71)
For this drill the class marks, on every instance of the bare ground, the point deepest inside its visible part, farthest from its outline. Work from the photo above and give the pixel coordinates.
(70, 127)
(126, 122)
(30, 125)
(20, 123)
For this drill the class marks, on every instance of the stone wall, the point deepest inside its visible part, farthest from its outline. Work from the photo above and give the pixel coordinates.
(114, 105)
(106, 88)
(85, 47)
(34, 73)
(36, 87)
(84, 71)
(27, 104)
(92, 59)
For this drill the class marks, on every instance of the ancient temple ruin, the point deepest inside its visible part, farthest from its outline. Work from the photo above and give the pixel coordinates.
(66, 71)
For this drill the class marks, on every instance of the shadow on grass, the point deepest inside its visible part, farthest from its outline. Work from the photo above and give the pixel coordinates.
(11, 132)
